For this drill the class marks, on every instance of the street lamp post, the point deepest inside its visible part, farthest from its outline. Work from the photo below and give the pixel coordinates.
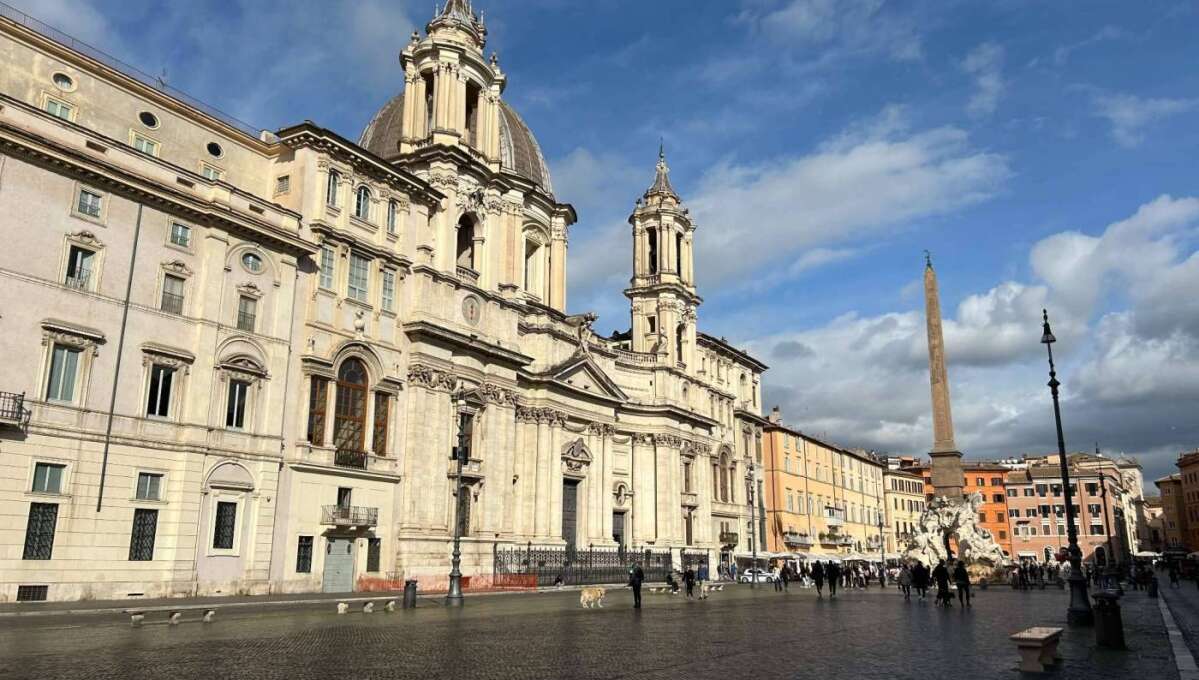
(1079, 612)
(753, 524)
(453, 597)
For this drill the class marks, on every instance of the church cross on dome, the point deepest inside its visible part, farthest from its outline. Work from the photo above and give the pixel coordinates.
(661, 183)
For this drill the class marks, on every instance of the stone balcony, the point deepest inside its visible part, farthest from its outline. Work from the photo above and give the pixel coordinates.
(468, 275)
(349, 516)
(729, 538)
(798, 540)
(346, 459)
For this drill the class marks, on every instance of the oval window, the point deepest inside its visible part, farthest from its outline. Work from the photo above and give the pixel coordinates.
(252, 262)
(63, 81)
(148, 119)
(215, 150)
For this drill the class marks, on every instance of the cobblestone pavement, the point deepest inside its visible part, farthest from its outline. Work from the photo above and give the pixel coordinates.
(1184, 606)
(740, 633)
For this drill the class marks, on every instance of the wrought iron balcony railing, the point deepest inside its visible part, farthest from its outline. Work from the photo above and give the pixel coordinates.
(795, 538)
(350, 458)
(729, 538)
(350, 516)
(12, 409)
(78, 281)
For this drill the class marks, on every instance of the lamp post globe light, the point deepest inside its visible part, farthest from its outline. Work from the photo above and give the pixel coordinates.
(753, 532)
(453, 597)
(1079, 612)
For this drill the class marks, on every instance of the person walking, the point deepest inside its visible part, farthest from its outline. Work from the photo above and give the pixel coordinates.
(962, 579)
(785, 574)
(689, 580)
(905, 582)
(777, 573)
(818, 577)
(1173, 570)
(701, 574)
(834, 575)
(941, 577)
(636, 578)
(920, 579)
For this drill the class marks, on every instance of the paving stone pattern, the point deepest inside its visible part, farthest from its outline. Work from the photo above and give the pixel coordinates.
(738, 633)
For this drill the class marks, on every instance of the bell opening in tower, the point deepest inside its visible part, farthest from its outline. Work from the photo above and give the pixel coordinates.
(466, 242)
(472, 115)
(653, 251)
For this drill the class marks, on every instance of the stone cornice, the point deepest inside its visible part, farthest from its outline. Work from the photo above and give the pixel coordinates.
(417, 330)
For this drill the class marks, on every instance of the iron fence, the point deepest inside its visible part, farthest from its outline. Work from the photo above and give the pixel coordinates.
(538, 566)
(12, 408)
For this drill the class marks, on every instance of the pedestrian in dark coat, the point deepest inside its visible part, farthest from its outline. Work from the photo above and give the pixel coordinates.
(636, 578)
(818, 577)
(962, 579)
(689, 580)
(785, 575)
(941, 577)
(834, 575)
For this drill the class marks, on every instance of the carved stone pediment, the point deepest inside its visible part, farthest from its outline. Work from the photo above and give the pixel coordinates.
(576, 458)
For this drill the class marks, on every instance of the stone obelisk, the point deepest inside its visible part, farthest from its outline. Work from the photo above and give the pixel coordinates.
(947, 475)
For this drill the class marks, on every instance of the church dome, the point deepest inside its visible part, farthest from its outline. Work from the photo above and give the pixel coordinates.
(519, 152)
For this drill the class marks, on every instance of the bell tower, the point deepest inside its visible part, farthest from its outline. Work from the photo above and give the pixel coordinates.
(662, 291)
(452, 91)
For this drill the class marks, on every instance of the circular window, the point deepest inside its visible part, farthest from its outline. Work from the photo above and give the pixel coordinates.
(252, 262)
(148, 119)
(215, 150)
(63, 81)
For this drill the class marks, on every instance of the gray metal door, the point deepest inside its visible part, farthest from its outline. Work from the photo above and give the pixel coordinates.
(570, 511)
(339, 566)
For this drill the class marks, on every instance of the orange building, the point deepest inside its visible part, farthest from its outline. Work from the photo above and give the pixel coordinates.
(990, 480)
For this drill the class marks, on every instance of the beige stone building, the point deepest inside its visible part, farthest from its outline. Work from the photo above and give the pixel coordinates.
(904, 500)
(240, 360)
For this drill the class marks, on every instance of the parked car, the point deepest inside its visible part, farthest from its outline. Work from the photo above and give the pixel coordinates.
(759, 575)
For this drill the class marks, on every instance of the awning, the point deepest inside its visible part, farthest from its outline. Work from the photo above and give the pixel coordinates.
(1026, 553)
(1148, 554)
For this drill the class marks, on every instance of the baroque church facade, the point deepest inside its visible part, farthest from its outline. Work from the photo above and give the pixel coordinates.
(242, 361)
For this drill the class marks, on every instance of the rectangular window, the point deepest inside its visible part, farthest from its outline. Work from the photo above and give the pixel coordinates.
(141, 543)
(1097, 530)
(158, 403)
(1013, 513)
(318, 400)
(327, 267)
(210, 173)
(39, 532)
(79, 268)
(391, 217)
(389, 290)
(225, 527)
(144, 145)
(235, 406)
(172, 294)
(149, 486)
(359, 276)
(181, 235)
(47, 478)
(247, 313)
(373, 552)
(999, 517)
(996, 481)
(1011, 493)
(64, 371)
(304, 555)
(90, 203)
(1094, 509)
(382, 406)
(1042, 490)
(59, 109)
(282, 186)
(345, 496)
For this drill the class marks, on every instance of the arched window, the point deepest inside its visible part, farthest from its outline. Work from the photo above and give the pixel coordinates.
(331, 187)
(362, 203)
(349, 424)
(533, 268)
(466, 243)
(392, 210)
(679, 332)
(724, 477)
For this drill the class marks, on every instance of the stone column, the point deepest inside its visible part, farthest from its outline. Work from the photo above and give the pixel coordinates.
(541, 500)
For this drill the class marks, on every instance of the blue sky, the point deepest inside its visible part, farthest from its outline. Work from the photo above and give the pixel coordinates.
(1043, 151)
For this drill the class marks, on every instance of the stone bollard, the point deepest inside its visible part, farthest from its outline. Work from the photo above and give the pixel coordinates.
(410, 593)
(390, 606)
(208, 615)
(1109, 625)
(174, 618)
(342, 608)
(368, 607)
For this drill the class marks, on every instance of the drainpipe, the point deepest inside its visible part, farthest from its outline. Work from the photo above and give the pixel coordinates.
(116, 376)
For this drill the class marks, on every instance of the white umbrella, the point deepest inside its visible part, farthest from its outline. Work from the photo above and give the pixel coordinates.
(1147, 554)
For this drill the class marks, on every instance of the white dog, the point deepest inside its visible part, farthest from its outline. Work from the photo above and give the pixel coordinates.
(592, 597)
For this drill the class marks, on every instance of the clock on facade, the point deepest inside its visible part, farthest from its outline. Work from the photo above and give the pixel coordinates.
(471, 310)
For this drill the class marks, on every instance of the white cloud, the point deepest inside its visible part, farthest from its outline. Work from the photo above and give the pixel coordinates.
(1129, 115)
(985, 65)
(1128, 353)
(838, 28)
(870, 178)
(1062, 54)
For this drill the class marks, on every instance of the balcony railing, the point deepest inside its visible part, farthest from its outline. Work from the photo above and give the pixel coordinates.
(468, 274)
(729, 538)
(797, 539)
(78, 281)
(834, 521)
(350, 458)
(245, 321)
(350, 516)
(172, 303)
(12, 409)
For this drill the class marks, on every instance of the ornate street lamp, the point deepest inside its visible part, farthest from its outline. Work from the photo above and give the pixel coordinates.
(753, 524)
(453, 597)
(1079, 611)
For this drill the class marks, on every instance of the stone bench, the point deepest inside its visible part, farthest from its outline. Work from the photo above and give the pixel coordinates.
(137, 616)
(1038, 648)
(368, 604)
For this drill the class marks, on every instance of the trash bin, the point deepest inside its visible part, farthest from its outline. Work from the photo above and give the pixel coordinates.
(1109, 625)
(410, 593)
